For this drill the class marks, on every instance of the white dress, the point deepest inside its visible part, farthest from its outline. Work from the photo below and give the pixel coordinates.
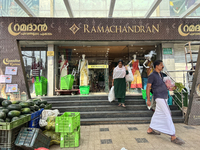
(84, 72)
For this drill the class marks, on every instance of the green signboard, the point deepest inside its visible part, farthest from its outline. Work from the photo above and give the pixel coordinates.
(167, 51)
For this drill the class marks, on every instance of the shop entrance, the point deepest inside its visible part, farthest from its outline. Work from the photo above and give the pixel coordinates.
(101, 60)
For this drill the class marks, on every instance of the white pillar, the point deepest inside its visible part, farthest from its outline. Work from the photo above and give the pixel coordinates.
(50, 72)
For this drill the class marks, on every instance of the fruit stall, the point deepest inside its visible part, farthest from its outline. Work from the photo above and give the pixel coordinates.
(32, 124)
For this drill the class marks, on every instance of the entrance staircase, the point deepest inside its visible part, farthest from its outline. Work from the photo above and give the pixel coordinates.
(96, 110)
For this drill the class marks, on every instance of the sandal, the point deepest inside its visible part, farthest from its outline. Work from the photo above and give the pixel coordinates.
(120, 105)
(123, 106)
(178, 141)
(153, 132)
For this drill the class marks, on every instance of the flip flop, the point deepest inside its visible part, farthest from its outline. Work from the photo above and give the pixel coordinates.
(120, 105)
(153, 132)
(178, 141)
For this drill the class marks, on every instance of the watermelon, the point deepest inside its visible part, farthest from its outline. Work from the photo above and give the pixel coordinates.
(5, 103)
(13, 113)
(4, 110)
(16, 102)
(32, 108)
(26, 110)
(44, 102)
(2, 115)
(14, 119)
(36, 108)
(14, 107)
(42, 105)
(37, 103)
(24, 104)
(22, 116)
(36, 99)
(31, 103)
(1, 100)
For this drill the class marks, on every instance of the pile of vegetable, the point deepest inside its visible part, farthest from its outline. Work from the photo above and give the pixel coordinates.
(14, 110)
(50, 131)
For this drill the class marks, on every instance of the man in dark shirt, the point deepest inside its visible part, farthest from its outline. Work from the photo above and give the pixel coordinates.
(161, 120)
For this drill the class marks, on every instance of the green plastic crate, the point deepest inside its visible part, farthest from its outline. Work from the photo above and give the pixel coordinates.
(67, 82)
(14, 124)
(38, 88)
(41, 86)
(68, 122)
(144, 95)
(44, 85)
(70, 139)
(84, 90)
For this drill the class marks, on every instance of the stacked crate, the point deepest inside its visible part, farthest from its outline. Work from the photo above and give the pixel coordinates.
(68, 125)
(9, 132)
(35, 118)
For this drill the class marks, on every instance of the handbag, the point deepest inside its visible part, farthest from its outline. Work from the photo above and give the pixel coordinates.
(129, 76)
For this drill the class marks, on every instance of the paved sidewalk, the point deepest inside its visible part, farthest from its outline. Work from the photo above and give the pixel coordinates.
(134, 137)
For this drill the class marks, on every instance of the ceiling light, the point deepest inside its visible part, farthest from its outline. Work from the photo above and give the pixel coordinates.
(74, 49)
(77, 53)
(141, 48)
(132, 45)
(108, 49)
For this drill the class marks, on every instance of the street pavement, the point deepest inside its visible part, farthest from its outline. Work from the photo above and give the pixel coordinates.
(134, 137)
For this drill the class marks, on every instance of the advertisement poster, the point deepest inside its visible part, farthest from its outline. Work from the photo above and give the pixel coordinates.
(11, 70)
(11, 88)
(5, 78)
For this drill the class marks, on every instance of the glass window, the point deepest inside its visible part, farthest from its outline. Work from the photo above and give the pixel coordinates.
(35, 63)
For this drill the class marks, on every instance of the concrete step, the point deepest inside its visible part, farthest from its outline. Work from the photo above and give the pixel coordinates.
(95, 102)
(127, 120)
(118, 114)
(104, 108)
(82, 97)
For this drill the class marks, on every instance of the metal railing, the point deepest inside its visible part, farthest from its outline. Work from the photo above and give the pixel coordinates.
(178, 97)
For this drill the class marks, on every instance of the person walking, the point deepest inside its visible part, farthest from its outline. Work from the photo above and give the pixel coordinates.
(161, 120)
(119, 82)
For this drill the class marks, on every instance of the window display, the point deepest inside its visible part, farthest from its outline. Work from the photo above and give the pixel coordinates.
(84, 72)
(137, 82)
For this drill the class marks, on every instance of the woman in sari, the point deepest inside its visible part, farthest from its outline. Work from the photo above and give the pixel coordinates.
(119, 82)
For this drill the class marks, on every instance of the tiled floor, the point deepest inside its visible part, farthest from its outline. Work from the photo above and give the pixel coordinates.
(134, 137)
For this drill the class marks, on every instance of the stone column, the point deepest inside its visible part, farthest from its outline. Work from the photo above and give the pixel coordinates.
(50, 72)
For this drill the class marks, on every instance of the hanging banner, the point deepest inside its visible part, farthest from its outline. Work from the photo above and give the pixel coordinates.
(11, 88)
(5, 78)
(11, 71)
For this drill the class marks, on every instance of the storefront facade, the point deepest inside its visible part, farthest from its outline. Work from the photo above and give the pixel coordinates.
(15, 30)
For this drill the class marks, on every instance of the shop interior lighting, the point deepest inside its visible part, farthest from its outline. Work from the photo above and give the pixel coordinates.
(141, 48)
